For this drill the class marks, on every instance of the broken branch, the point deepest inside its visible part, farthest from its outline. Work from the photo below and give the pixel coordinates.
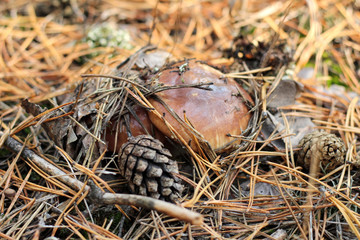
(96, 194)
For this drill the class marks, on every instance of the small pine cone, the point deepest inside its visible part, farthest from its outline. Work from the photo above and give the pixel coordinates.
(147, 166)
(331, 147)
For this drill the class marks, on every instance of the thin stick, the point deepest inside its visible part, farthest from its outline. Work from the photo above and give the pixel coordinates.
(146, 202)
(101, 197)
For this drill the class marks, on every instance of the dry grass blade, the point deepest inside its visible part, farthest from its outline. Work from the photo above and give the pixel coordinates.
(347, 213)
(288, 205)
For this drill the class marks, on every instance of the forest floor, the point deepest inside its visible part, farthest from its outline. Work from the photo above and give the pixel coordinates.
(299, 60)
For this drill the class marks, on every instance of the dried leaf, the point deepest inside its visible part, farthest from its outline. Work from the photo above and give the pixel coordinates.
(306, 73)
(56, 129)
(299, 126)
(261, 189)
(284, 94)
(152, 60)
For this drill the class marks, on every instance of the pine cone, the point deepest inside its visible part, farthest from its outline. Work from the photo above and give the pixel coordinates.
(147, 166)
(331, 147)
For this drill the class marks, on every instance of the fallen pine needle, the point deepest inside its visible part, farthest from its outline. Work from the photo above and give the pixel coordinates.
(106, 198)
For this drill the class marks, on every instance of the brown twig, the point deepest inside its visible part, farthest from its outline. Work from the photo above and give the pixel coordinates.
(145, 202)
(101, 197)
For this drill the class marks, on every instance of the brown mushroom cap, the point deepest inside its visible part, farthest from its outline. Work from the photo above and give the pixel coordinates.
(214, 113)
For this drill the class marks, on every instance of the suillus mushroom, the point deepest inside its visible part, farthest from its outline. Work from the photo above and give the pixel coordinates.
(211, 115)
(143, 160)
(214, 113)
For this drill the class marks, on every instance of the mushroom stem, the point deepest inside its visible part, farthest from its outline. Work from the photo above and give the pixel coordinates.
(314, 174)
